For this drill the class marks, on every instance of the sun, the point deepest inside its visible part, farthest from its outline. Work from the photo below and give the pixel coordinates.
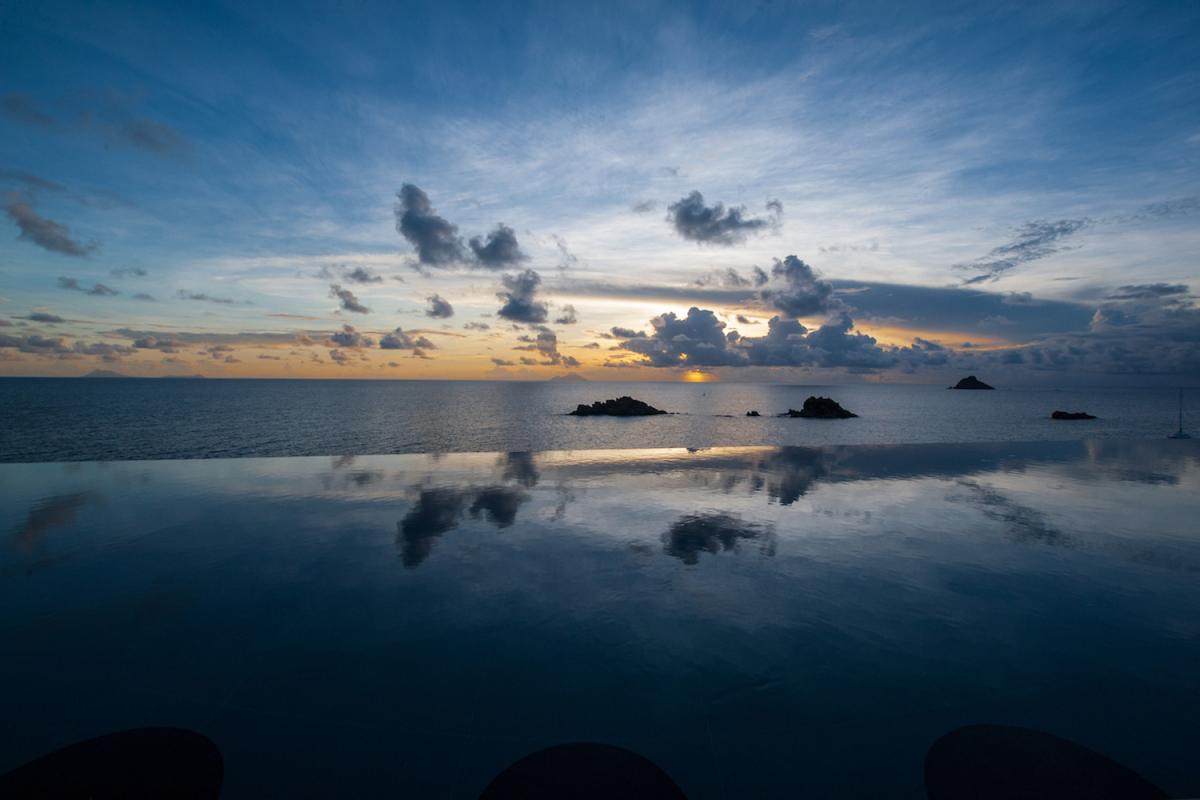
(696, 376)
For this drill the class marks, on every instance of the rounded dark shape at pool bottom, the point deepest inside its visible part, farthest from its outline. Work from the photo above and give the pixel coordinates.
(138, 764)
(1000, 762)
(583, 771)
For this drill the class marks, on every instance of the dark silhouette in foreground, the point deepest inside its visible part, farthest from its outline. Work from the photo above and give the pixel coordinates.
(582, 770)
(620, 407)
(999, 762)
(820, 408)
(971, 382)
(138, 764)
(1071, 415)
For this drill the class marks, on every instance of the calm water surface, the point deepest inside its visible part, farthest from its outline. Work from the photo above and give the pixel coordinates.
(760, 622)
(61, 419)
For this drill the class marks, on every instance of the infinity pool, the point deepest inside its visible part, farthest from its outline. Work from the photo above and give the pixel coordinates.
(759, 622)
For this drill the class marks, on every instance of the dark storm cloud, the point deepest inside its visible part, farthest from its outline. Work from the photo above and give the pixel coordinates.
(347, 300)
(802, 293)
(349, 337)
(717, 224)
(20, 107)
(97, 290)
(500, 250)
(693, 534)
(400, 340)
(519, 298)
(569, 316)
(439, 307)
(45, 233)
(435, 239)
(1033, 241)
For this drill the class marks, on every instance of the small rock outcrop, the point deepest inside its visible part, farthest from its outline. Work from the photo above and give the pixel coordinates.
(1071, 415)
(820, 408)
(753, 414)
(971, 382)
(620, 407)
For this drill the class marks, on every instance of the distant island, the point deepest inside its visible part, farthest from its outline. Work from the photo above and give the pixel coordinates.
(820, 408)
(570, 377)
(971, 382)
(1071, 415)
(620, 407)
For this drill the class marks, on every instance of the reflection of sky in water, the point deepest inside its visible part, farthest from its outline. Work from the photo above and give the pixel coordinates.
(756, 620)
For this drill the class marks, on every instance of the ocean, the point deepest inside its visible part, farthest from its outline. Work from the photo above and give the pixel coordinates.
(66, 419)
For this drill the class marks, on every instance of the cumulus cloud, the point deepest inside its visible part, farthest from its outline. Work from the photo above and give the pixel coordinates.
(519, 298)
(439, 307)
(347, 300)
(730, 278)
(45, 233)
(545, 344)
(348, 337)
(477, 326)
(802, 293)
(399, 340)
(1033, 241)
(568, 316)
(500, 250)
(97, 289)
(717, 224)
(435, 239)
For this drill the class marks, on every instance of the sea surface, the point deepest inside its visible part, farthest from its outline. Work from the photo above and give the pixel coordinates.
(760, 622)
(61, 419)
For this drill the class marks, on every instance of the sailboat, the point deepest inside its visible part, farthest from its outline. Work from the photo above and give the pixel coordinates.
(1179, 434)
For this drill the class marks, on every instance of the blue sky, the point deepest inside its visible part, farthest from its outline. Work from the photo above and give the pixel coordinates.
(1012, 189)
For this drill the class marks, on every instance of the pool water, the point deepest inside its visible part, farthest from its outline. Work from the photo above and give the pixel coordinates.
(759, 622)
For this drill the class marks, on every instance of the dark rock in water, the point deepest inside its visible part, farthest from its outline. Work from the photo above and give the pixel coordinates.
(620, 407)
(1071, 415)
(820, 408)
(971, 382)
(753, 414)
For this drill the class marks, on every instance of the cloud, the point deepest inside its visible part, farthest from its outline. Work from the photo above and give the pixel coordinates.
(643, 206)
(29, 181)
(439, 510)
(717, 224)
(439, 308)
(520, 303)
(347, 300)
(201, 297)
(35, 344)
(125, 272)
(106, 351)
(19, 107)
(500, 250)
(399, 340)
(45, 233)
(545, 344)
(730, 278)
(701, 340)
(503, 362)
(436, 241)
(476, 326)
(154, 137)
(97, 290)
(148, 298)
(803, 293)
(569, 316)
(350, 338)
(42, 316)
(359, 275)
(1033, 241)
(1148, 291)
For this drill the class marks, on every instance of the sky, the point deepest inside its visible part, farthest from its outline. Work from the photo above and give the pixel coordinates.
(816, 192)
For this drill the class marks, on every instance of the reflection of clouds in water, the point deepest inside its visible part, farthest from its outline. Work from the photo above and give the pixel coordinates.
(439, 510)
(53, 512)
(1023, 523)
(522, 468)
(693, 534)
